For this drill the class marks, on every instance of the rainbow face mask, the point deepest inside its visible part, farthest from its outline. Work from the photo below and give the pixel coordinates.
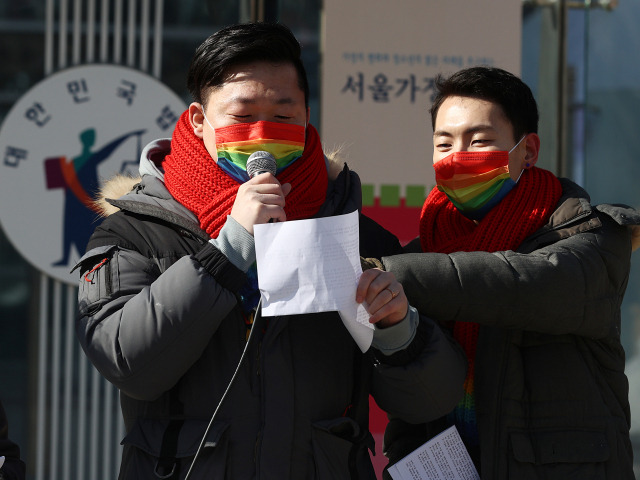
(235, 143)
(475, 181)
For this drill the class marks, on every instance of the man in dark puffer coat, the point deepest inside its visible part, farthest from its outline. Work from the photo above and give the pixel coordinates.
(530, 278)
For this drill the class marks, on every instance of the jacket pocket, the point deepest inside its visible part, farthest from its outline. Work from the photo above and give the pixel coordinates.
(165, 449)
(558, 455)
(99, 278)
(341, 450)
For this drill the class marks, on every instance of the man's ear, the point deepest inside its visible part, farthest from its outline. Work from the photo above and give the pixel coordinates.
(532, 145)
(196, 118)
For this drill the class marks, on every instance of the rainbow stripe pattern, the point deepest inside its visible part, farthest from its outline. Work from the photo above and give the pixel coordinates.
(463, 416)
(236, 142)
(474, 181)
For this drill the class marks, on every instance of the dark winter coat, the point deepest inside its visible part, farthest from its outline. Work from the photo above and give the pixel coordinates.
(13, 467)
(160, 319)
(551, 393)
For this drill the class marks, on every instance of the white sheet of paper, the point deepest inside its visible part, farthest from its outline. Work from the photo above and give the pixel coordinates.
(313, 265)
(1, 461)
(444, 457)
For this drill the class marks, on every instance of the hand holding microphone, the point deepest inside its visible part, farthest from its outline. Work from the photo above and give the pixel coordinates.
(262, 198)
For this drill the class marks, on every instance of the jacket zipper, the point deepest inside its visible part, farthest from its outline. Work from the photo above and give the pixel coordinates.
(259, 386)
(497, 434)
(261, 406)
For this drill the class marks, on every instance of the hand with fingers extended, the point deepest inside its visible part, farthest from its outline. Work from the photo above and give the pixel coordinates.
(383, 297)
(260, 200)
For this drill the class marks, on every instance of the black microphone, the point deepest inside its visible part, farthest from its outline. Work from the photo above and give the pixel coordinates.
(261, 162)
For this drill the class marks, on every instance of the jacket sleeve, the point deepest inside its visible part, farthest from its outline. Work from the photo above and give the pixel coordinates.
(143, 329)
(424, 381)
(14, 467)
(574, 285)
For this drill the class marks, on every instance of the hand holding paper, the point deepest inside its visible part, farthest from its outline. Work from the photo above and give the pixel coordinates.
(384, 297)
(313, 265)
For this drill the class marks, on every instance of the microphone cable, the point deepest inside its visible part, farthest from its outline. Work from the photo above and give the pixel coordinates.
(224, 395)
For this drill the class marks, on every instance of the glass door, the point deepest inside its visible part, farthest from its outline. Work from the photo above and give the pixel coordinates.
(580, 58)
(609, 162)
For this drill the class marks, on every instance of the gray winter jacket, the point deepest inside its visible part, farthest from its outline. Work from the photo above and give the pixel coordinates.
(551, 394)
(160, 319)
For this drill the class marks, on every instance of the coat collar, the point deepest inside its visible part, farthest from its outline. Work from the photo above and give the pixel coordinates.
(575, 214)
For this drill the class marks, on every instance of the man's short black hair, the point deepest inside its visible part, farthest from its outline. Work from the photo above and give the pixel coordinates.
(241, 44)
(493, 85)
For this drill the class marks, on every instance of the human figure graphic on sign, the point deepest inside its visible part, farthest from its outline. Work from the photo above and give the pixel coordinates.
(78, 177)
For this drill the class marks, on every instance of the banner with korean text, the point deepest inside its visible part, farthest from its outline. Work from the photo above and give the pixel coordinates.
(379, 62)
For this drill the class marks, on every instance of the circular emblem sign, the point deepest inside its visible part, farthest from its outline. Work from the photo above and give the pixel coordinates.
(70, 131)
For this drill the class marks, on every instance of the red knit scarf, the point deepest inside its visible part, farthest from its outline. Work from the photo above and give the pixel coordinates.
(524, 210)
(194, 179)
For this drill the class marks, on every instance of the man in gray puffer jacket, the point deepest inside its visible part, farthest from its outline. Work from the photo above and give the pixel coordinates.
(168, 298)
(530, 277)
